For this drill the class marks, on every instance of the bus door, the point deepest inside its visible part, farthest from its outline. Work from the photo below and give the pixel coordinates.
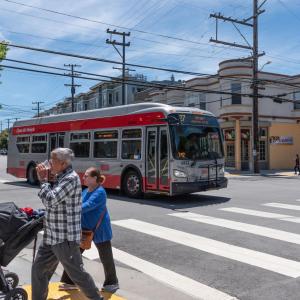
(56, 140)
(157, 159)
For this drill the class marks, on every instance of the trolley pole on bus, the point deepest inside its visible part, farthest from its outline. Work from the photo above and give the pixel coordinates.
(72, 85)
(124, 45)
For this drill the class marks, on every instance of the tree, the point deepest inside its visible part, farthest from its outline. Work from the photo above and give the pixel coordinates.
(3, 50)
(3, 139)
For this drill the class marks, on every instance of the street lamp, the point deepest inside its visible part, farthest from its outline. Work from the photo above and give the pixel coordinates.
(266, 63)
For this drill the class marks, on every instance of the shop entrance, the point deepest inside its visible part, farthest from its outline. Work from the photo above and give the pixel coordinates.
(245, 145)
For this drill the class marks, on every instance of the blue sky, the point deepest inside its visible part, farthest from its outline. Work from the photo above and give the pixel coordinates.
(186, 19)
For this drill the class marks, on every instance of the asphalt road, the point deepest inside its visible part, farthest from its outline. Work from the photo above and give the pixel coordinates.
(243, 241)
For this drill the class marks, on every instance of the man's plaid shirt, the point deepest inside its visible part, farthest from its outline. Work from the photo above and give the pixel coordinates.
(63, 208)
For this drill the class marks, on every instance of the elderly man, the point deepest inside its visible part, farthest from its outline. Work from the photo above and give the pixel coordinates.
(61, 229)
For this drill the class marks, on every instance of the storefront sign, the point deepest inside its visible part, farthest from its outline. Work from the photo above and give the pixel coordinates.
(281, 140)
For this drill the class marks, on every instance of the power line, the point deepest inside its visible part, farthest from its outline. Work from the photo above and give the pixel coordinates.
(145, 85)
(102, 60)
(102, 23)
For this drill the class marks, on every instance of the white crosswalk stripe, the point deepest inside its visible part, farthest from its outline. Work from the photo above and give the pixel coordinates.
(249, 228)
(283, 205)
(255, 258)
(263, 214)
(187, 285)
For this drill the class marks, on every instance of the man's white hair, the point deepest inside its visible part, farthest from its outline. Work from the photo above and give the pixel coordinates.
(64, 154)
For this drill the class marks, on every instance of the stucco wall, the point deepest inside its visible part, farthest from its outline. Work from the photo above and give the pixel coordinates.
(283, 156)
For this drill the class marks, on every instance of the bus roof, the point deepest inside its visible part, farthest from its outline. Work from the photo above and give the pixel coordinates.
(111, 111)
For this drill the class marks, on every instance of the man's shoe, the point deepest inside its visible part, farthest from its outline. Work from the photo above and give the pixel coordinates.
(67, 287)
(110, 288)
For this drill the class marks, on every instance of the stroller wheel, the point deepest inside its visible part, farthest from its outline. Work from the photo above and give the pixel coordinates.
(12, 279)
(16, 294)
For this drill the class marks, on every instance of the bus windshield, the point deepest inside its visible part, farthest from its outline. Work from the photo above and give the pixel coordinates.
(196, 142)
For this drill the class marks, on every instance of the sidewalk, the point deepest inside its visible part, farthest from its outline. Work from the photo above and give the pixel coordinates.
(263, 173)
(134, 284)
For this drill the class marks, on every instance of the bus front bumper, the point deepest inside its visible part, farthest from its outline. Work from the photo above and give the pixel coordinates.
(193, 187)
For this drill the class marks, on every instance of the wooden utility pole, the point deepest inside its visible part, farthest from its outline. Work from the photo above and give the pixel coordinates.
(124, 45)
(254, 58)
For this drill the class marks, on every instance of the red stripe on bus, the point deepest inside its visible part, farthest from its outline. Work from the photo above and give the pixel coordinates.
(106, 122)
(17, 172)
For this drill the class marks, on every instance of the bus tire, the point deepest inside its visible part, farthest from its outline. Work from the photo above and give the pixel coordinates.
(32, 175)
(132, 184)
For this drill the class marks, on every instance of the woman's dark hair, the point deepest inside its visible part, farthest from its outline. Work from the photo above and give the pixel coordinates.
(94, 172)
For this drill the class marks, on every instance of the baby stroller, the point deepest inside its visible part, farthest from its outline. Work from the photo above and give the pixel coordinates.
(17, 230)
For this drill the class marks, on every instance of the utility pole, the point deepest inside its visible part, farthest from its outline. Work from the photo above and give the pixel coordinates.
(72, 85)
(254, 58)
(124, 45)
(38, 107)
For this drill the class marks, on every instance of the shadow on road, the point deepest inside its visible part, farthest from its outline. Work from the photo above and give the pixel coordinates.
(173, 203)
(21, 184)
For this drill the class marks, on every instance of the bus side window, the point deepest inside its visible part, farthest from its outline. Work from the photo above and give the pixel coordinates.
(80, 144)
(131, 144)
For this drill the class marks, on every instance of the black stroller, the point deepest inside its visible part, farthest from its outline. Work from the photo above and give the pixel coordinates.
(17, 230)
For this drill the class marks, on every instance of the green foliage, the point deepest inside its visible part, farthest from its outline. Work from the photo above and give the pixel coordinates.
(3, 139)
(3, 50)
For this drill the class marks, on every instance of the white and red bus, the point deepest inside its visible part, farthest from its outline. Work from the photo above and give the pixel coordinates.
(140, 148)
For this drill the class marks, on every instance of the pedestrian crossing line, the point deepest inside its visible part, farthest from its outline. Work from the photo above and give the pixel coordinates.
(262, 260)
(283, 205)
(244, 227)
(263, 214)
(187, 285)
(182, 283)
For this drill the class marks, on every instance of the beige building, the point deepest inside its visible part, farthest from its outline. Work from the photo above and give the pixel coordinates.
(279, 123)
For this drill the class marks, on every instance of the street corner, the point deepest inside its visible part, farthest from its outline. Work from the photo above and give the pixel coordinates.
(55, 294)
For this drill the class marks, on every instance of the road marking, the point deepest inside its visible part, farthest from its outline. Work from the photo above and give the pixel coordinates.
(184, 284)
(255, 258)
(55, 293)
(3, 181)
(187, 285)
(249, 228)
(263, 214)
(283, 205)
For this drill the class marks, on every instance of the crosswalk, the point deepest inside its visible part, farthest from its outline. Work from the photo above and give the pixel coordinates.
(262, 262)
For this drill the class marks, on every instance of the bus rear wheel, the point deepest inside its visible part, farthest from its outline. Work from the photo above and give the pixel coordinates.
(132, 184)
(32, 175)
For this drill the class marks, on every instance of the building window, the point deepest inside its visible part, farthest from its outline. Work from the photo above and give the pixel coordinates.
(80, 144)
(236, 88)
(117, 97)
(230, 152)
(110, 99)
(131, 144)
(106, 144)
(202, 105)
(262, 150)
(296, 97)
(86, 106)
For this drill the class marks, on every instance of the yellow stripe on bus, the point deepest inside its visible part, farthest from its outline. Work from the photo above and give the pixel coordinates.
(54, 293)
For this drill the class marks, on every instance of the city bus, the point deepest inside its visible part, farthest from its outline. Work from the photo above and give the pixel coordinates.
(140, 148)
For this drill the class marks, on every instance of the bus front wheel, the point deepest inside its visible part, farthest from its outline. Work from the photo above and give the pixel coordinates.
(132, 184)
(31, 175)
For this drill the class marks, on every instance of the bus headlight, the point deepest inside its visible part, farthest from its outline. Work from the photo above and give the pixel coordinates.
(179, 174)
